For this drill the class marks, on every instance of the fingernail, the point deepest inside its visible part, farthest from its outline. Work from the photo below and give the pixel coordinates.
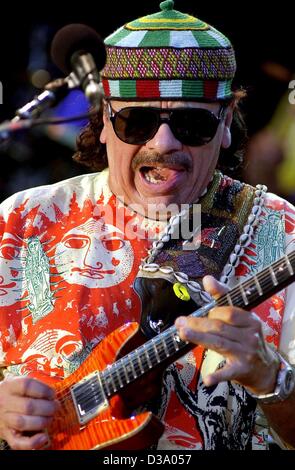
(180, 322)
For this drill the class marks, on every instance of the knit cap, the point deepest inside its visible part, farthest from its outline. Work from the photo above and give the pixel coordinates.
(168, 55)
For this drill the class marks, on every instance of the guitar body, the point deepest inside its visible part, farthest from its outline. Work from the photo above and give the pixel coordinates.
(114, 427)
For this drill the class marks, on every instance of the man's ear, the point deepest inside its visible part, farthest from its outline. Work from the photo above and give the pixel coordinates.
(226, 137)
(102, 136)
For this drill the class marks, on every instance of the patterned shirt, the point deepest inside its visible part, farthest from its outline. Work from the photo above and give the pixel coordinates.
(69, 254)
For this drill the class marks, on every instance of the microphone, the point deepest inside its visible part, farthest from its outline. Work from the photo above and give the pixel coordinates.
(79, 51)
(54, 92)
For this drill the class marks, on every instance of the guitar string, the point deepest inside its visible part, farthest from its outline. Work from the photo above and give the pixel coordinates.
(119, 367)
(263, 276)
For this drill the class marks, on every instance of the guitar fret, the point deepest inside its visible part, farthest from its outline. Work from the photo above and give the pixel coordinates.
(245, 299)
(165, 347)
(109, 381)
(176, 339)
(132, 369)
(152, 354)
(289, 266)
(161, 349)
(170, 344)
(282, 271)
(273, 276)
(150, 365)
(132, 357)
(139, 362)
(125, 370)
(107, 388)
(259, 290)
(156, 352)
(119, 377)
(229, 299)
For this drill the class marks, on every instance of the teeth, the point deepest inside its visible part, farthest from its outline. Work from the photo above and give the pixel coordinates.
(151, 179)
(154, 175)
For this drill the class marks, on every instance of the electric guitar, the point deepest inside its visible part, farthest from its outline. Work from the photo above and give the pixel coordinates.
(95, 413)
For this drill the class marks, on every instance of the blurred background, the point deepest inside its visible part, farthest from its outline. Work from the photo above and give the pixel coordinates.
(266, 64)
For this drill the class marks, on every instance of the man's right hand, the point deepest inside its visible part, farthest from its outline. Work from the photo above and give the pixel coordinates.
(27, 407)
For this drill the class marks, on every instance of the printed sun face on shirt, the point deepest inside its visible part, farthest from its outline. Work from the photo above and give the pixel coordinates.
(95, 255)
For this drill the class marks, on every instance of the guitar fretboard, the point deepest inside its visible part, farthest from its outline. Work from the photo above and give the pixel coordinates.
(254, 290)
(167, 344)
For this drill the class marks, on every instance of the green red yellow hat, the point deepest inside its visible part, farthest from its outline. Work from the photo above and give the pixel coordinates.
(168, 55)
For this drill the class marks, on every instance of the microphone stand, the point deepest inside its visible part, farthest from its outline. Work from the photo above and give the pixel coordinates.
(24, 117)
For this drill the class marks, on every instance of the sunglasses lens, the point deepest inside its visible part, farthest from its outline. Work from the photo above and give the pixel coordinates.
(191, 126)
(136, 125)
(194, 127)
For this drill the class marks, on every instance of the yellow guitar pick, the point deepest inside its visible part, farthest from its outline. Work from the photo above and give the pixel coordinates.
(181, 291)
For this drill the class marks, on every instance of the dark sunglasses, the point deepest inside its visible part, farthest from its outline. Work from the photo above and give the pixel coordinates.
(191, 126)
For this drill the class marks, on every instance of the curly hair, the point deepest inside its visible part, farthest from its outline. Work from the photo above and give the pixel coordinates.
(92, 153)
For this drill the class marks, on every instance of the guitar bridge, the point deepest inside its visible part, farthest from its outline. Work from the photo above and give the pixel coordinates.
(89, 398)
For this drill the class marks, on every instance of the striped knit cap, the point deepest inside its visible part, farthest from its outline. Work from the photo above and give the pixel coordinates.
(168, 55)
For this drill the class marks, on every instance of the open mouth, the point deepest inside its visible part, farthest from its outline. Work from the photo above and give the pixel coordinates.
(159, 174)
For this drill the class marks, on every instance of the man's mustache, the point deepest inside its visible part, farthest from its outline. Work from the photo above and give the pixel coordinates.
(174, 159)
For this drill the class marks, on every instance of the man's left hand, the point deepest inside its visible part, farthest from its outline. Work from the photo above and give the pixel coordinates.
(237, 335)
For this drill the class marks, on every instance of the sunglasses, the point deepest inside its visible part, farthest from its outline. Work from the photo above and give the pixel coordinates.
(191, 126)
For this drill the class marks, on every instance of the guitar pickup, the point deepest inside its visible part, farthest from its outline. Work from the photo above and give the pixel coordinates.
(89, 398)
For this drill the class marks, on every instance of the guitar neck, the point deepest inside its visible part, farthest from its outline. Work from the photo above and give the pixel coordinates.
(263, 285)
(166, 346)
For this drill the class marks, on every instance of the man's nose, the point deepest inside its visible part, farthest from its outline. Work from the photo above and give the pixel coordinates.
(164, 141)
